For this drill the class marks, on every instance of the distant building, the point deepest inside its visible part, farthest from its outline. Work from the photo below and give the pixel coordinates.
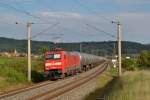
(13, 54)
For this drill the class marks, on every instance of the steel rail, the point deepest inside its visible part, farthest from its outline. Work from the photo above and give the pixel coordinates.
(67, 87)
(20, 90)
(39, 85)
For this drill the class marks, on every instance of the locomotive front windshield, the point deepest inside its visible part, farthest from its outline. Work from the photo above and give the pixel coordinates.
(52, 56)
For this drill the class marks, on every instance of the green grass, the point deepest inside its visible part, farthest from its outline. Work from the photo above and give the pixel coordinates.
(131, 86)
(13, 71)
(112, 71)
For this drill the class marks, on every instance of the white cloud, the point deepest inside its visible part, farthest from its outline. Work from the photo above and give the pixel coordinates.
(135, 25)
(60, 14)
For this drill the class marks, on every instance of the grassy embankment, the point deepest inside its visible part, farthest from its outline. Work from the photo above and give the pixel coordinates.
(131, 86)
(13, 72)
(103, 81)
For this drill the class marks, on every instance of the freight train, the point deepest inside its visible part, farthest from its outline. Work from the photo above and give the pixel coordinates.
(59, 64)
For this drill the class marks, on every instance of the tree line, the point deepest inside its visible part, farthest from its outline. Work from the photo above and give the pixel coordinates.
(98, 48)
(141, 62)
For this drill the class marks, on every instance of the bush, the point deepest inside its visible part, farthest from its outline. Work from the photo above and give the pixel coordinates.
(144, 59)
(129, 64)
(37, 77)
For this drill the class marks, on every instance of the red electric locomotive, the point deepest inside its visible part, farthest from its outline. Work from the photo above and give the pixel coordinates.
(59, 64)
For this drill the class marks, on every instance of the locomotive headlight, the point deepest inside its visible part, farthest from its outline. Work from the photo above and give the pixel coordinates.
(48, 64)
(53, 64)
(58, 63)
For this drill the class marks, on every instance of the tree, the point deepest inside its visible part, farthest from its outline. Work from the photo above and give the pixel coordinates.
(43, 49)
(144, 59)
(129, 64)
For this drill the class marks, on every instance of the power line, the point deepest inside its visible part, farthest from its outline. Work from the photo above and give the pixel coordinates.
(99, 30)
(93, 11)
(37, 17)
(42, 32)
(66, 29)
(22, 11)
(29, 14)
(89, 9)
(1, 33)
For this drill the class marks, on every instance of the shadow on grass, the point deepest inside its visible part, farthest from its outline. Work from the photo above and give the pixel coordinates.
(38, 77)
(99, 94)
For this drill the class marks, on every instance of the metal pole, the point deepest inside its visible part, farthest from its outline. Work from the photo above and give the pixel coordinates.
(80, 46)
(29, 50)
(119, 32)
(114, 49)
(119, 48)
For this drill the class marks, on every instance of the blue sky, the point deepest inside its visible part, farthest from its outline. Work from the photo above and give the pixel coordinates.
(73, 17)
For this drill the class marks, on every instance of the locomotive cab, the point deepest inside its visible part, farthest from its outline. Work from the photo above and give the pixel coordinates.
(53, 64)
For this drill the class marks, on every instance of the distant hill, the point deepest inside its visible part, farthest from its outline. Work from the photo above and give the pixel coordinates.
(100, 48)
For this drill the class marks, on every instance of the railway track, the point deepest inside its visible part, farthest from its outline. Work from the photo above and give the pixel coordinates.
(47, 90)
(20, 90)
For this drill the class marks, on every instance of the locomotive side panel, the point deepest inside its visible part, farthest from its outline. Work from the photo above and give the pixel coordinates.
(72, 62)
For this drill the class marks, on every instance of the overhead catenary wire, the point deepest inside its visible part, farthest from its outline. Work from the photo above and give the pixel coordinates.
(43, 31)
(32, 15)
(37, 17)
(92, 27)
(99, 30)
(4, 33)
(93, 11)
(90, 10)
(5, 5)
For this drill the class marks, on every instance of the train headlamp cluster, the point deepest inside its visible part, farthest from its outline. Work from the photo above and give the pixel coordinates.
(53, 64)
